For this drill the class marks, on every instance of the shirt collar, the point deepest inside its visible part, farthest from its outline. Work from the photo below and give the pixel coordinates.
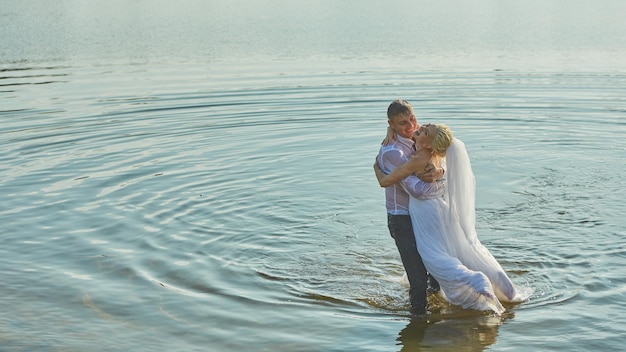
(406, 141)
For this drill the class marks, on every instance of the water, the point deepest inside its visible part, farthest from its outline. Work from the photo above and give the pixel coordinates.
(197, 176)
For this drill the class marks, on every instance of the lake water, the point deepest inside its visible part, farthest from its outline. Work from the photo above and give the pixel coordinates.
(197, 175)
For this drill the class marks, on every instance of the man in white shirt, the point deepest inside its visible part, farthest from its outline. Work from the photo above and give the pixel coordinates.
(402, 121)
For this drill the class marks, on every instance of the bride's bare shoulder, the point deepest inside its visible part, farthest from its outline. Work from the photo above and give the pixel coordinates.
(420, 159)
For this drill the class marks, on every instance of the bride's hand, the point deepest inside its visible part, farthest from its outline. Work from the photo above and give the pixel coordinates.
(391, 136)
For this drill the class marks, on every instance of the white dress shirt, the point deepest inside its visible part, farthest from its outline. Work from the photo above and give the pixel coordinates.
(397, 196)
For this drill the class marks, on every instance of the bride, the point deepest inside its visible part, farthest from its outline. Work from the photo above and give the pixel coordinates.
(444, 226)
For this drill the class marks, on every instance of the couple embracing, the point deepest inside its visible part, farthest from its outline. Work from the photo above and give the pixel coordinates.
(430, 196)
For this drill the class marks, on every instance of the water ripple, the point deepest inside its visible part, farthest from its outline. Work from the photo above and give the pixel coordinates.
(195, 209)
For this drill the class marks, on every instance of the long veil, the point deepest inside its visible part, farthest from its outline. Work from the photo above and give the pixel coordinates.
(461, 197)
(461, 189)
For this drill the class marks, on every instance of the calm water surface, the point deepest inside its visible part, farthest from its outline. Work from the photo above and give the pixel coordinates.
(197, 176)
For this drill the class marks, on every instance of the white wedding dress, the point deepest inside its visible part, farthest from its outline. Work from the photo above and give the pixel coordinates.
(468, 274)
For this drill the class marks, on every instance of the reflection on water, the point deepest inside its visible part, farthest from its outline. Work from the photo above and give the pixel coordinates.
(456, 332)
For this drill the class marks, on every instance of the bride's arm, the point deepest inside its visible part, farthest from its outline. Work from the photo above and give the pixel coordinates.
(412, 166)
(390, 137)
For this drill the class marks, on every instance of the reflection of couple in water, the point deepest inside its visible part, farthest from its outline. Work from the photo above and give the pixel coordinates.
(430, 194)
(464, 333)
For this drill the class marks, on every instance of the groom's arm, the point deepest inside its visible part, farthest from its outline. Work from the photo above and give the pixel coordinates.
(388, 161)
(432, 173)
(420, 189)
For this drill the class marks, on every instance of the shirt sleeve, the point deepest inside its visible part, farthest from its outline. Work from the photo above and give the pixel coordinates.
(420, 189)
(391, 159)
(411, 184)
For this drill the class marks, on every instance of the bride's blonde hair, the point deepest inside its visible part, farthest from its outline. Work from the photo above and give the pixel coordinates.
(442, 140)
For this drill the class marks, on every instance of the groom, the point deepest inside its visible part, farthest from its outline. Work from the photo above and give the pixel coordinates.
(402, 121)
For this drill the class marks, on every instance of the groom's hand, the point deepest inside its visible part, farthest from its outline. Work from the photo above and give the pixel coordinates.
(431, 173)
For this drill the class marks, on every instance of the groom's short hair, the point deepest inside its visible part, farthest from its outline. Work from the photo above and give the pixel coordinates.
(398, 107)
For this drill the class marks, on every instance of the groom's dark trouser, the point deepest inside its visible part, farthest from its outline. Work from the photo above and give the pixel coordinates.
(402, 232)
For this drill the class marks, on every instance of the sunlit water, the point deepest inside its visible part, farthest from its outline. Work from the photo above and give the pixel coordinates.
(206, 184)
